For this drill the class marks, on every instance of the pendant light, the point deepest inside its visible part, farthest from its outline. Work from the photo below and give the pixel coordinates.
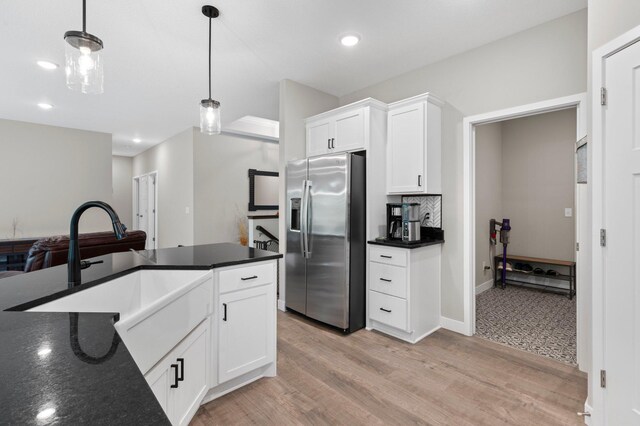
(83, 63)
(210, 109)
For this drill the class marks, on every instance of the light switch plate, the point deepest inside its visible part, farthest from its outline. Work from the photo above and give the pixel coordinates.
(186, 210)
(568, 212)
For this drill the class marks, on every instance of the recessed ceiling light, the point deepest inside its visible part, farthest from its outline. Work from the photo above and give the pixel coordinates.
(137, 140)
(47, 65)
(44, 352)
(349, 40)
(44, 105)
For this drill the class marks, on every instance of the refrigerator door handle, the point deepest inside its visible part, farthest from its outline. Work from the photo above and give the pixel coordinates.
(308, 219)
(303, 220)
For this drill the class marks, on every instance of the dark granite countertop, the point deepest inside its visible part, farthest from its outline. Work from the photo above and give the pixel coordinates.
(406, 245)
(66, 365)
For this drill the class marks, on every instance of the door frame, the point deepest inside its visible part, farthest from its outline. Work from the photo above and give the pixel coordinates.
(135, 183)
(578, 101)
(596, 175)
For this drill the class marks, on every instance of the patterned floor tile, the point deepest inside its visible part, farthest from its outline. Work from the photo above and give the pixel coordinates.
(527, 319)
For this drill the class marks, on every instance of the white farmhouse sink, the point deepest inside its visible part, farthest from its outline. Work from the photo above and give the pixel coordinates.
(157, 308)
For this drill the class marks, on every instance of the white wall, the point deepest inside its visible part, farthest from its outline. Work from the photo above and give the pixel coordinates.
(122, 168)
(221, 182)
(488, 174)
(47, 172)
(544, 62)
(173, 160)
(297, 102)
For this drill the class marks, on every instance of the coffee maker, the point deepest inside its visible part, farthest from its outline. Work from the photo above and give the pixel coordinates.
(394, 221)
(410, 222)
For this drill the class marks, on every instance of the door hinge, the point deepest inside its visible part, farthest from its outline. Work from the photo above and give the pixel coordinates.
(603, 237)
(603, 378)
(154, 238)
(603, 96)
(577, 246)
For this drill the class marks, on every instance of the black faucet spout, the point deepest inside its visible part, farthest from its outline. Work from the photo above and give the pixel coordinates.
(73, 260)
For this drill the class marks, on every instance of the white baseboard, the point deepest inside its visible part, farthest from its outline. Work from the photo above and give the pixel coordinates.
(281, 305)
(453, 325)
(484, 286)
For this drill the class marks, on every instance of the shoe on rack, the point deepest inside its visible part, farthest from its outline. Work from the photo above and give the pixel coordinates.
(538, 271)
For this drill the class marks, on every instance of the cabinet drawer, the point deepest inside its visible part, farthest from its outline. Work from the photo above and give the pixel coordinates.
(246, 277)
(388, 310)
(389, 256)
(388, 279)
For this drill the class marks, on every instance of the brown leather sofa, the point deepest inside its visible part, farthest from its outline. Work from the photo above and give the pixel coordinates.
(53, 251)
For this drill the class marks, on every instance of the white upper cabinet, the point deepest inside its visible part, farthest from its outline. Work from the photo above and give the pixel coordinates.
(345, 129)
(414, 145)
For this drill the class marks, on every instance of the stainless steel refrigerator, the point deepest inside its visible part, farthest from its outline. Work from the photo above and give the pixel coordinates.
(326, 239)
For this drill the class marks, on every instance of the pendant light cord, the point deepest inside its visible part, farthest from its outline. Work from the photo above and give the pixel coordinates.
(84, 16)
(209, 57)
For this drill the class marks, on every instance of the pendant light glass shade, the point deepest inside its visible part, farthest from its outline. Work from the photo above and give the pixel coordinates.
(83, 62)
(210, 109)
(210, 117)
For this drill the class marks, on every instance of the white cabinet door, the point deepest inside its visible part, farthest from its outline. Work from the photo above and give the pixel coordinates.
(158, 380)
(348, 132)
(405, 150)
(318, 138)
(191, 358)
(246, 331)
(180, 380)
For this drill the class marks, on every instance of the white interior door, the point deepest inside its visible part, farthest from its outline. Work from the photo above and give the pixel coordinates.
(621, 286)
(146, 207)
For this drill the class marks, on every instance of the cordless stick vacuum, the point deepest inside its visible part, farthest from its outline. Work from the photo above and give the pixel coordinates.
(505, 228)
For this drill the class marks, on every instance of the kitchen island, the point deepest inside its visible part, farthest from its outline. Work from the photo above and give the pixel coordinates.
(73, 368)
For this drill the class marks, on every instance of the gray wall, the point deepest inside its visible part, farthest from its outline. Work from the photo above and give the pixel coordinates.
(488, 174)
(47, 172)
(122, 188)
(297, 102)
(173, 160)
(221, 182)
(544, 62)
(538, 183)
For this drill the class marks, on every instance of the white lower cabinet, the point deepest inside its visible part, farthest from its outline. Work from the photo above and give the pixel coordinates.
(404, 291)
(237, 339)
(180, 380)
(246, 326)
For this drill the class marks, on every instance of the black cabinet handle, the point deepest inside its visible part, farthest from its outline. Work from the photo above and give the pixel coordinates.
(224, 314)
(332, 143)
(329, 143)
(385, 310)
(249, 278)
(385, 280)
(175, 377)
(181, 376)
(419, 180)
(386, 257)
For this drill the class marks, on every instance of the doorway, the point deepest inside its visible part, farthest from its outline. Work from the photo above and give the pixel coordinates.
(471, 233)
(145, 207)
(525, 173)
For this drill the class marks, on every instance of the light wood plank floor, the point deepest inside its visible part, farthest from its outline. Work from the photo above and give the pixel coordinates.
(369, 378)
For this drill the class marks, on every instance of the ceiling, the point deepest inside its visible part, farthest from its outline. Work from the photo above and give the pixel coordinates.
(156, 54)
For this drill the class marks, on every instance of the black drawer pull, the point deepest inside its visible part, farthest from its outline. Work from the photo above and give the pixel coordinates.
(181, 376)
(176, 379)
(224, 315)
(386, 257)
(385, 280)
(385, 310)
(249, 278)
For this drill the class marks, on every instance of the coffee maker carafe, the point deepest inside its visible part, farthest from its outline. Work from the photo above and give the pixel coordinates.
(394, 221)
(410, 222)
